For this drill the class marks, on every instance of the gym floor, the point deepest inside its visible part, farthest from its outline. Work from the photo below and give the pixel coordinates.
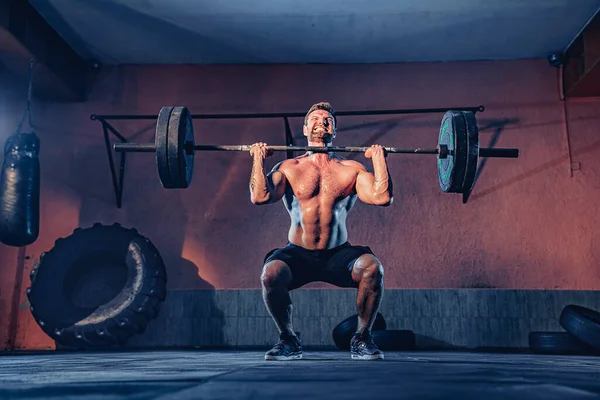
(202, 374)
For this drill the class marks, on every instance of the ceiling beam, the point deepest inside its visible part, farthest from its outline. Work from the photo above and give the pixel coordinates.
(581, 69)
(59, 74)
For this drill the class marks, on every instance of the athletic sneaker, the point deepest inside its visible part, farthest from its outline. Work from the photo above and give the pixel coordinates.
(363, 348)
(288, 348)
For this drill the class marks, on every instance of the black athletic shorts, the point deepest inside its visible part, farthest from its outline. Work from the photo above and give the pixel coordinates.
(332, 266)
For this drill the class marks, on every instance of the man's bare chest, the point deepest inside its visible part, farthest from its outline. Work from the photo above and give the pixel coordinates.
(332, 181)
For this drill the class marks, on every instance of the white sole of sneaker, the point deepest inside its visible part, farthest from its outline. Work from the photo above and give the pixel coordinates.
(283, 358)
(367, 357)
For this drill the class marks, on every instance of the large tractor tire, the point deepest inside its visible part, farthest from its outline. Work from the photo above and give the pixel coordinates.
(97, 287)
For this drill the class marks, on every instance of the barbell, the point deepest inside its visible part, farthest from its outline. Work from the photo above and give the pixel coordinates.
(458, 149)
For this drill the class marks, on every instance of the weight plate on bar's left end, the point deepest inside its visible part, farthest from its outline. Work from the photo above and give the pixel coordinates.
(188, 140)
(162, 147)
(472, 153)
(451, 170)
(181, 164)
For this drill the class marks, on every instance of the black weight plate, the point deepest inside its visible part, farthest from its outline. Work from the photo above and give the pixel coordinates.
(186, 133)
(191, 142)
(181, 164)
(162, 147)
(472, 153)
(451, 170)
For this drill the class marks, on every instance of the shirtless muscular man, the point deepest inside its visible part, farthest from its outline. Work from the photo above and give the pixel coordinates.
(318, 191)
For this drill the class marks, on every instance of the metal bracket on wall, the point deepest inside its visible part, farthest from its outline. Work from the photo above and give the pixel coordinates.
(289, 139)
(117, 185)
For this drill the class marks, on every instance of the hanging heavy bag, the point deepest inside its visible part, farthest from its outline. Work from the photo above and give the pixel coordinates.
(20, 190)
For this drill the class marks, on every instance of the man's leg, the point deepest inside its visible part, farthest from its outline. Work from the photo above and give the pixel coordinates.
(276, 278)
(368, 273)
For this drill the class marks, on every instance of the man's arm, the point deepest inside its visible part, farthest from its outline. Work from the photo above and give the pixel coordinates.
(265, 188)
(375, 188)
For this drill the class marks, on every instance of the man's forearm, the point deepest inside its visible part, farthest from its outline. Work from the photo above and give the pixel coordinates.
(382, 184)
(259, 185)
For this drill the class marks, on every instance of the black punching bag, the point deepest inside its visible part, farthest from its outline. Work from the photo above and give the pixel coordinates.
(20, 190)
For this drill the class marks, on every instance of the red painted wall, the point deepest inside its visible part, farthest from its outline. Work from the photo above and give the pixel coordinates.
(529, 224)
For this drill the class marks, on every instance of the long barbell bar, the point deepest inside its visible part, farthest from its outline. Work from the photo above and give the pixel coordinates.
(442, 151)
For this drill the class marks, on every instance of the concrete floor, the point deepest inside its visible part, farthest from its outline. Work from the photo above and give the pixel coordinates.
(203, 374)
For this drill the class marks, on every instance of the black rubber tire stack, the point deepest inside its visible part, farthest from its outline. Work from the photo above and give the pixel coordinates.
(562, 343)
(109, 324)
(581, 336)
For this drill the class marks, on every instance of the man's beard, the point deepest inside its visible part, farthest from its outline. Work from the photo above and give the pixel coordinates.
(324, 137)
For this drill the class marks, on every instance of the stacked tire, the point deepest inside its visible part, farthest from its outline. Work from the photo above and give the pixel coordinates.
(581, 336)
(76, 308)
(393, 340)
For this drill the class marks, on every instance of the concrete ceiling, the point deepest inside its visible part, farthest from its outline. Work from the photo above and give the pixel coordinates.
(310, 31)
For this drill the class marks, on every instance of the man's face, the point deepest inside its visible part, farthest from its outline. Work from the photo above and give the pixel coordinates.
(320, 127)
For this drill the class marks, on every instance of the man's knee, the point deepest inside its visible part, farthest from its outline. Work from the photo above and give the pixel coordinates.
(276, 274)
(368, 268)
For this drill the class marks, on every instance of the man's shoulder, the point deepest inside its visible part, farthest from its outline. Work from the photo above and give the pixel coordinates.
(283, 165)
(353, 164)
(290, 162)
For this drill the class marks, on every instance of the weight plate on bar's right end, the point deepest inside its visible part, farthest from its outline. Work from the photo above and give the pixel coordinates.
(451, 170)
(472, 153)
(161, 143)
(181, 164)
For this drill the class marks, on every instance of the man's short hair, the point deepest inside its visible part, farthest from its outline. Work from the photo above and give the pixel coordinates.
(323, 105)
